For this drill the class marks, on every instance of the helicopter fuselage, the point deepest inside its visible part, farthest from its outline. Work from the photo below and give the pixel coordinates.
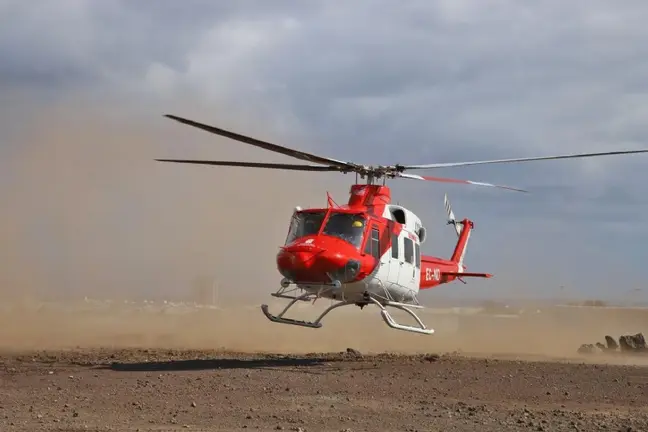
(366, 247)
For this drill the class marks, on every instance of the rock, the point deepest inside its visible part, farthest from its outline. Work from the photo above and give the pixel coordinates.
(354, 352)
(627, 344)
(612, 345)
(587, 349)
(633, 343)
(432, 357)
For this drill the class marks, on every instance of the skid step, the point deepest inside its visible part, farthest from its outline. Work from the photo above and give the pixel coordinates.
(282, 320)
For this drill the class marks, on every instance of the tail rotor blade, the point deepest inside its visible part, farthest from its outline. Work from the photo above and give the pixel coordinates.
(451, 216)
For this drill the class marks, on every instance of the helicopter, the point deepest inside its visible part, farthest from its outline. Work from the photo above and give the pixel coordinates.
(367, 251)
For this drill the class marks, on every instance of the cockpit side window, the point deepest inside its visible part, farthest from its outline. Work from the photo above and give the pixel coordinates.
(304, 224)
(346, 226)
(372, 246)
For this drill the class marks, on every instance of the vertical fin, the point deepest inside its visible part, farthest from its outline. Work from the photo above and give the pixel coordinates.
(463, 235)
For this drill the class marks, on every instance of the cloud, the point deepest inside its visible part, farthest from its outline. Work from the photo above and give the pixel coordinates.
(373, 82)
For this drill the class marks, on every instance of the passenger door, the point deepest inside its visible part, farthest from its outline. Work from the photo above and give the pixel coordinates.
(407, 276)
(395, 261)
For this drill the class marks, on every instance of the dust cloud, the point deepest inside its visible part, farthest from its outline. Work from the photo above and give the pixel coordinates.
(547, 336)
(87, 212)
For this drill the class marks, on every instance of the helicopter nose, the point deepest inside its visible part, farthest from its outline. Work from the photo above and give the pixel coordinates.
(302, 260)
(311, 266)
(292, 263)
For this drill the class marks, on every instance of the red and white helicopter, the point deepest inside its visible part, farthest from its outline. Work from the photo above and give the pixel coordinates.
(369, 250)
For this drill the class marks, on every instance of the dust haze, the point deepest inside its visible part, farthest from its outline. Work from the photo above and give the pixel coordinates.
(89, 213)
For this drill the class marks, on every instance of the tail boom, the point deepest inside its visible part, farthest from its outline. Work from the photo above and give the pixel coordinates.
(436, 271)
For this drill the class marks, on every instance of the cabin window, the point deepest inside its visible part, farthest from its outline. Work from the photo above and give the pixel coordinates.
(346, 226)
(304, 224)
(408, 249)
(417, 250)
(394, 245)
(399, 216)
(372, 247)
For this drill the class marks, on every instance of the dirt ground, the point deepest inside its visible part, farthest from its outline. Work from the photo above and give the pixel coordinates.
(117, 369)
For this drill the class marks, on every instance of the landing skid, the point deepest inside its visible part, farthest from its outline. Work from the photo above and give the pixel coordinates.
(389, 320)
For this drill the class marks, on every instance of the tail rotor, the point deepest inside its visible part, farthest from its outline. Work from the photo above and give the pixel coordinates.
(451, 216)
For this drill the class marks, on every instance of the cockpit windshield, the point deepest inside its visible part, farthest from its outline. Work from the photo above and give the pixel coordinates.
(305, 224)
(346, 226)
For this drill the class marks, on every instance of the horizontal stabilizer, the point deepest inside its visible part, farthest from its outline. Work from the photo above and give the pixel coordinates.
(466, 274)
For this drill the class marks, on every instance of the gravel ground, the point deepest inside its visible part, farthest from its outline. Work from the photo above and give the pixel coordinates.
(214, 371)
(155, 390)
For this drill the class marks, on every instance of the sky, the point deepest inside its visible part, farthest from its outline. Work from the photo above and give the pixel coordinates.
(84, 85)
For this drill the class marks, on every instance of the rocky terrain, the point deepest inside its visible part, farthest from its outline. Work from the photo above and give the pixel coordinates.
(127, 372)
(153, 390)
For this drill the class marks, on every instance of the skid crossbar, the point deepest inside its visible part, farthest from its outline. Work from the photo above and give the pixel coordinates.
(389, 320)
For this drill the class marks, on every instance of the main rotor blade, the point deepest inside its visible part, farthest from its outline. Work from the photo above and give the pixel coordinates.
(293, 167)
(264, 144)
(451, 180)
(496, 161)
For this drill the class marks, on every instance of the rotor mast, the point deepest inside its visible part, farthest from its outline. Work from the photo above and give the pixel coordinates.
(370, 176)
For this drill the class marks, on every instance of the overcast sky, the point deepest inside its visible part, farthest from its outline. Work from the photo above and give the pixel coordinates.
(367, 81)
